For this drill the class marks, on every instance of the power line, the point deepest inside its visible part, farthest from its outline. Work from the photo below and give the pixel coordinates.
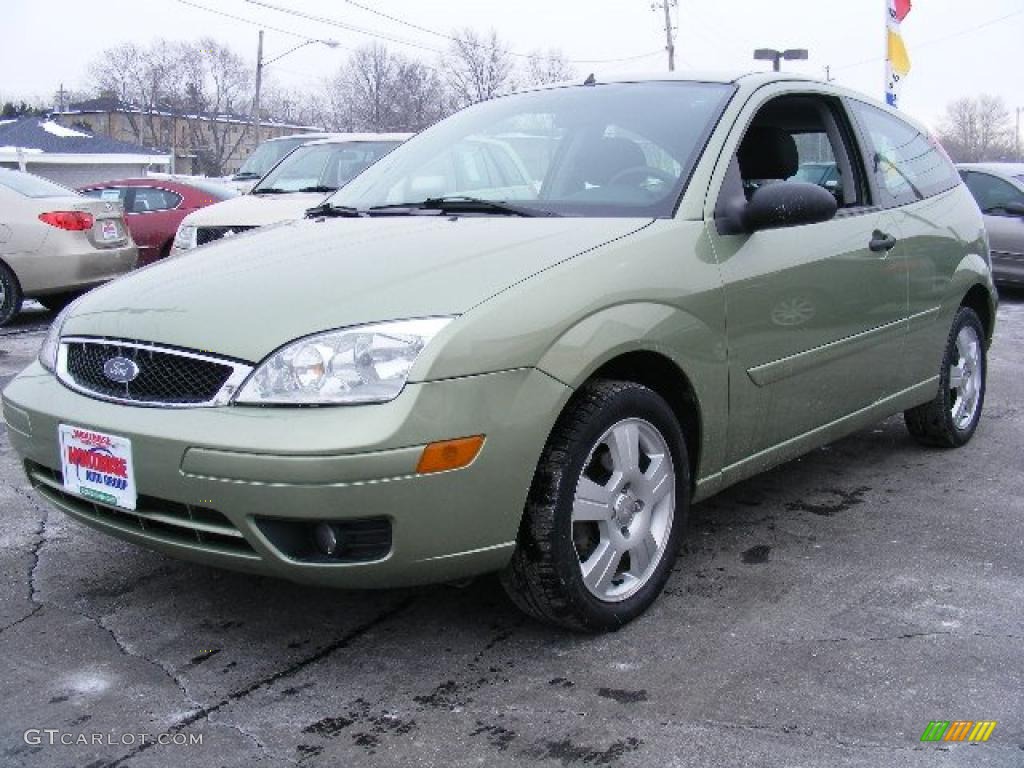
(253, 23)
(961, 33)
(400, 41)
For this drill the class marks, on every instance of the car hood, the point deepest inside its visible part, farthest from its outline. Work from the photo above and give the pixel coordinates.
(255, 210)
(246, 296)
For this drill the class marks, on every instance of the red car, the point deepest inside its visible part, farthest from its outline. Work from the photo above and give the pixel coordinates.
(153, 208)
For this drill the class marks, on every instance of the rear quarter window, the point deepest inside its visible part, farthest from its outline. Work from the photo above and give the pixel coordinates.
(907, 165)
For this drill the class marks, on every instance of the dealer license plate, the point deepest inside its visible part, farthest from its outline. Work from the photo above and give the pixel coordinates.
(97, 466)
(110, 231)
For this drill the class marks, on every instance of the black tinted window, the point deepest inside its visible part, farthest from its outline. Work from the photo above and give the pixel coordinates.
(906, 164)
(992, 194)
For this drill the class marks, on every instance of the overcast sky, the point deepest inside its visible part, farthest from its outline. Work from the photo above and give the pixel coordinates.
(956, 47)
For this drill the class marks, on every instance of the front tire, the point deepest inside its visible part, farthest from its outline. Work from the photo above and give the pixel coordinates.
(606, 511)
(10, 295)
(55, 302)
(949, 420)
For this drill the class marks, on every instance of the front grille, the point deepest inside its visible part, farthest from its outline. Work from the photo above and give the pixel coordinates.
(165, 376)
(158, 519)
(206, 235)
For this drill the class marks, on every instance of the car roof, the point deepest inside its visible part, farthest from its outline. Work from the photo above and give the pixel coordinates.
(1002, 169)
(206, 186)
(353, 138)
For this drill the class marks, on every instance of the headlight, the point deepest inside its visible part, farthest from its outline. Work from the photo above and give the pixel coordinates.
(363, 364)
(51, 344)
(185, 238)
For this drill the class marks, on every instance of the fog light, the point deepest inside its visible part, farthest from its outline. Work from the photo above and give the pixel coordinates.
(449, 454)
(326, 538)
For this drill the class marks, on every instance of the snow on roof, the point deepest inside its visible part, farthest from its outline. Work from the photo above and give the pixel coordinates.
(59, 130)
(43, 135)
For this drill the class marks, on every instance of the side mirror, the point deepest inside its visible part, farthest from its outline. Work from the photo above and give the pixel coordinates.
(788, 204)
(1014, 209)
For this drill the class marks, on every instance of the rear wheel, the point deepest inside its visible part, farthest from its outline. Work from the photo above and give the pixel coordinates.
(949, 420)
(10, 295)
(605, 513)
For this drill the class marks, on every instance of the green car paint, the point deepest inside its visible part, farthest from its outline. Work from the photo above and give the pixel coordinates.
(775, 342)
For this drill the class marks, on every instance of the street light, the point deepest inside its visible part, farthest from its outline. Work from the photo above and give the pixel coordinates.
(260, 64)
(775, 57)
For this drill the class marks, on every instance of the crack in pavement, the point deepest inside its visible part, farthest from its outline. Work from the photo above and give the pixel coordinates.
(37, 545)
(204, 713)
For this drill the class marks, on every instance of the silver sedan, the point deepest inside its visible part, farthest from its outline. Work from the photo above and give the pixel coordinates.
(56, 244)
(999, 190)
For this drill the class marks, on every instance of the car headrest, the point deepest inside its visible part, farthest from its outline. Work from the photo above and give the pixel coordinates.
(767, 152)
(608, 157)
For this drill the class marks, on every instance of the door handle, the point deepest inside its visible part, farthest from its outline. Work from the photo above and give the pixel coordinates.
(881, 241)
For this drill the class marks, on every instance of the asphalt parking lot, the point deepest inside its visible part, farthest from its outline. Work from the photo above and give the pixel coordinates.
(821, 615)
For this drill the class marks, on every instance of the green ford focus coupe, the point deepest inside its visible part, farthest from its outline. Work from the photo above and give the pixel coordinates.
(526, 341)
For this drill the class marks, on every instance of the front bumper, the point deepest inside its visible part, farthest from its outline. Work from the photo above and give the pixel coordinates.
(332, 463)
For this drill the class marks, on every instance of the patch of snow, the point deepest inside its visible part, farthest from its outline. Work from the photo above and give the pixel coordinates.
(7, 122)
(26, 150)
(57, 129)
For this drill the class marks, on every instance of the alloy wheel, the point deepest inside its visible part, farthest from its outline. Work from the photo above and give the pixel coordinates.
(965, 377)
(623, 509)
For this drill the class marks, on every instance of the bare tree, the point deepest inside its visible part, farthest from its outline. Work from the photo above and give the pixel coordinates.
(218, 85)
(477, 67)
(977, 129)
(378, 90)
(551, 67)
(146, 81)
(421, 99)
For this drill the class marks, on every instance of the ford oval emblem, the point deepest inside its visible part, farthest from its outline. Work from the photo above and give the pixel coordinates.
(121, 370)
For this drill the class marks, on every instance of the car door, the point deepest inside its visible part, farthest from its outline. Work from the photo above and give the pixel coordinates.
(815, 313)
(1005, 228)
(153, 219)
(920, 188)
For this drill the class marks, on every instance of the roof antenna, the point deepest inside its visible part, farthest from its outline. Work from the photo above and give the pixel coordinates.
(591, 80)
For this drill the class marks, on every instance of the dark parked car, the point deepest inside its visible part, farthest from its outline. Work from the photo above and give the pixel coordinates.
(154, 208)
(999, 190)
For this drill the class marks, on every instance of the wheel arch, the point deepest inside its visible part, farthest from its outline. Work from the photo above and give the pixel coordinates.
(671, 351)
(980, 299)
(660, 373)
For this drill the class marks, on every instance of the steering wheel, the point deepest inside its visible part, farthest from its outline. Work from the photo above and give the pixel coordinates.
(642, 172)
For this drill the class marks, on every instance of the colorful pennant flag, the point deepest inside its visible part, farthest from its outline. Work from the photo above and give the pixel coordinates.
(897, 62)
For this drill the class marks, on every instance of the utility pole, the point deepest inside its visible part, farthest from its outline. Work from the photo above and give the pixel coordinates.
(828, 74)
(60, 107)
(670, 46)
(256, 99)
(1016, 138)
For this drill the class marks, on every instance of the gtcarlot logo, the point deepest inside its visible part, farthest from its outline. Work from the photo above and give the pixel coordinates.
(55, 737)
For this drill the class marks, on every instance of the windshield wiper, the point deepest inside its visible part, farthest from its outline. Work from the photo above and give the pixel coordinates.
(463, 204)
(328, 210)
(246, 175)
(319, 188)
(269, 191)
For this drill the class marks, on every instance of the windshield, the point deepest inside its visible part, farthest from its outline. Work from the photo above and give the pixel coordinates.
(32, 186)
(623, 149)
(324, 167)
(266, 155)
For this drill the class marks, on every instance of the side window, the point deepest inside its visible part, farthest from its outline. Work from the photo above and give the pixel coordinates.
(110, 194)
(800, 137)
(992, 194)
(148, 199)
(906, 164)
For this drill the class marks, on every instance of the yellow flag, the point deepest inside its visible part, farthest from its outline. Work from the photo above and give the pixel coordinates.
(898, 57)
